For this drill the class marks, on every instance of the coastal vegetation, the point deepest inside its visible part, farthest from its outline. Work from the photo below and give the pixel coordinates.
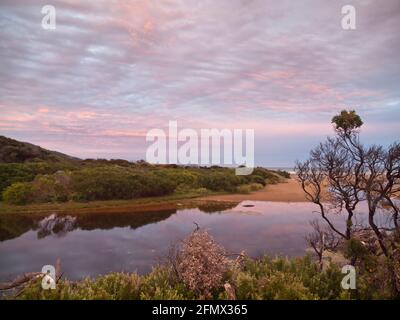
(115, 182)
(60, 179)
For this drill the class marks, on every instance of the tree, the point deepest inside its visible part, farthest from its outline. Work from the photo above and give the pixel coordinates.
(341, 173)
(321, 240)
(347, 121)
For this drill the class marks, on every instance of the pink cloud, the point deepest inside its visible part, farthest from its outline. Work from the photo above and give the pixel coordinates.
(43, 110)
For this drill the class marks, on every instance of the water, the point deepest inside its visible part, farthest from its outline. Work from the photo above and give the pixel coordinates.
(93, 244)
(291, 170)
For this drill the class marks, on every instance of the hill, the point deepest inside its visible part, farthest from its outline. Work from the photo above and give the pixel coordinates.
(13, 151)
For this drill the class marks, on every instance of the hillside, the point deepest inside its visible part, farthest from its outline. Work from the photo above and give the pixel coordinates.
(13, 151)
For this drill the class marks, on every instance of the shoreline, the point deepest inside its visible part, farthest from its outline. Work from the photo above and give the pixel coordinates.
(151, 204)
(286, 191)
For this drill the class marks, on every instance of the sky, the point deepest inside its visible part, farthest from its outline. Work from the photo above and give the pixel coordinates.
(112, 70)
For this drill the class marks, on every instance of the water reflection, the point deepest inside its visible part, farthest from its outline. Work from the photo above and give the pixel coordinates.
(54, 225)
(96, 243)
(13, 226)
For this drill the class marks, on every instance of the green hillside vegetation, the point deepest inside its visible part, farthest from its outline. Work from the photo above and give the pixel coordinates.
(42, 176)
(13, 151)
(29, 183)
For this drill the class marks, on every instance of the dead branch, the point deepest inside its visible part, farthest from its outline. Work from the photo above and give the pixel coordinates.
(26, 278)
(21, 280)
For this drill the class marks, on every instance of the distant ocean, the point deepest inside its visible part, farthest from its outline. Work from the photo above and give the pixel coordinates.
(288, 169)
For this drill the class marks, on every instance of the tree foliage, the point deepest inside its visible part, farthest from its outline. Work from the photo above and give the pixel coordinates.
(347, 121)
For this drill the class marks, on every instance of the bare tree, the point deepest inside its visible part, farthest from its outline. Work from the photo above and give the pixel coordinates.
(341, 172)
(327, 179)
(321, 240)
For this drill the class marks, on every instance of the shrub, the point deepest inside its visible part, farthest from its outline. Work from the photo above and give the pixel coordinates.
(224, 180)
(283, 173)
(113, 286)
(18, 193)
(103, 183)
(52, 188)
(155, 184)
(14, 172)
(201, 264)
(247, 188)
(256, 186)
(114, 182)
(201, 191)
(180, 176)
(268, 176)
(26, 172)
(185, 189)
(162, 284)
(257, 179)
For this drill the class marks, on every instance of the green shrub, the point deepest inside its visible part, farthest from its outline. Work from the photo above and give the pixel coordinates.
(18, 193)
(185, 189)
(201, 191)
(180, 176)
(113, 286)
(114, 182)
(52, 188)
(257, 179)
(156, 184)
(268, 176)
(223, 180)
(256, 186)
(14, 172)
(162, 284)
(281, 278)
(26, 172)
(283, 173)
(247, 188)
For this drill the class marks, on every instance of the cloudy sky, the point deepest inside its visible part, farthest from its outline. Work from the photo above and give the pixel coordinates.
(112, 70)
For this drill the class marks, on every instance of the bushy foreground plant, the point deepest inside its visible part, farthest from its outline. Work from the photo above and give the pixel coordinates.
(201, 264)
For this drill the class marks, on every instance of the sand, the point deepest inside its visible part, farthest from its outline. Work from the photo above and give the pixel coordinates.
(287, 191)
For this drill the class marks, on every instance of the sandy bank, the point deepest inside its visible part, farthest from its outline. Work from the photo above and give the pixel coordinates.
(288, 191)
